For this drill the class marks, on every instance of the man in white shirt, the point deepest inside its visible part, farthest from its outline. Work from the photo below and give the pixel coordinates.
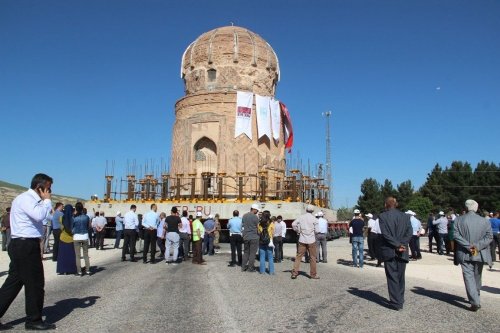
(185, 236)
(150, 222)
(283, 233)
(321, 238)
(99, 224)
(372, 235)
(28, 211)
(130, 224)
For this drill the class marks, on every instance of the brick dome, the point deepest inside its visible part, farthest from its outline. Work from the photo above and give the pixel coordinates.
(230, 58)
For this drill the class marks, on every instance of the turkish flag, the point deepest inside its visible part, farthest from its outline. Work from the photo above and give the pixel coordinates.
(287, 122)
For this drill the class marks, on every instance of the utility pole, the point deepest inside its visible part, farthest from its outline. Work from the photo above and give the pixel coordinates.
(328, 164)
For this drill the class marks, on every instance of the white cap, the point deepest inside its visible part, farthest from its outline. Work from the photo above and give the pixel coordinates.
(356, 211)
(320, 213)
(410, 212)
(118, 213)
(198, 214)
(310, 208)
(369, 215)
(255, 206)
(471, 205)
(441, 213)
(210, 216)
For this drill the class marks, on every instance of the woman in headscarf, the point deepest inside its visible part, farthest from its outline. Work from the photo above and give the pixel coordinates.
(66, 261)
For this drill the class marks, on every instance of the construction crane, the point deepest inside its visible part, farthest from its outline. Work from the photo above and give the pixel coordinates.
(328, 164)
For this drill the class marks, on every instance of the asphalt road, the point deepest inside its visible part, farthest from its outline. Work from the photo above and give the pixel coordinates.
(137, 297)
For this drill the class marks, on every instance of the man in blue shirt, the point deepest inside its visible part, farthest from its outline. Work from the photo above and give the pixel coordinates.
(235, 238)
(118, 229)
(150, 222)
(56, 229)
(357, 225)
(495, 228)
(208, 241)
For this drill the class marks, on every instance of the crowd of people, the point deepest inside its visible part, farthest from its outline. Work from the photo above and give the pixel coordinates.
(27, 225)
(393, 235)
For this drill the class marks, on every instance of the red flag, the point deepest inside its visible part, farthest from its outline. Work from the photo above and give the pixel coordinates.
(287, 122)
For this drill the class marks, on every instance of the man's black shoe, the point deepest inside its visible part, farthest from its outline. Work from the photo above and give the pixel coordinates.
(244, 268)
(474, 308)
(231, 265)
(5, 327)
(123, 259)
(133, 260)
(39, 326)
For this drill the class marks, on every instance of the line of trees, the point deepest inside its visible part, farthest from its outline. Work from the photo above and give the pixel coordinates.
(445, 189)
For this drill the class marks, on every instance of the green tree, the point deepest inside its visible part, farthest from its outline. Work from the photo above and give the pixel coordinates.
(371, 199)
(420, 205)
(457, 181)
(486, 183)
(344, 214)
(433, 188)
(404, 194)
(388, 190)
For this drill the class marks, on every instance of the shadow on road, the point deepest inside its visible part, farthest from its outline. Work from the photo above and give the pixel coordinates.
(369, 296)
(301, 273)
(491, 290)
(441, 296)
(344, 262)
(63, 308)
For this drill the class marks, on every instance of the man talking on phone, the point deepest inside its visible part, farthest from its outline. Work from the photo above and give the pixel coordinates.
(28, 211)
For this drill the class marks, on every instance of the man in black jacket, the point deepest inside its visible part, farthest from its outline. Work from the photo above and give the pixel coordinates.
(396, 233)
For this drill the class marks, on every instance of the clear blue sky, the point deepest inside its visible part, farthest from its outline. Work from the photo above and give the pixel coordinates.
(410, 83)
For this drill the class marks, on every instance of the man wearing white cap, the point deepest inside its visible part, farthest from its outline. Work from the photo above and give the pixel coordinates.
(306, 226)
(321, 238)
(472, 234)
(250, 221)
(415, 240)
(372, 235)
(208, 241)
(442, 225)
(198, 232)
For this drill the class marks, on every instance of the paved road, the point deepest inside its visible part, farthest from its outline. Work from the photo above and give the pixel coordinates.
(137, 297)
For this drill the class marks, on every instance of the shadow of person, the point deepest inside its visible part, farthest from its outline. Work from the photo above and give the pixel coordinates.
(370, 296)
(61, 309)
(344, 262)
(299, 273)
(491, 290)
(441, 296)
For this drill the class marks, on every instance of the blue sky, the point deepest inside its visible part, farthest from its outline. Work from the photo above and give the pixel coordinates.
(409, 83)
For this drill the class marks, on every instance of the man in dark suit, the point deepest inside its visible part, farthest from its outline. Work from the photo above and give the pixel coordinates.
(396, 230)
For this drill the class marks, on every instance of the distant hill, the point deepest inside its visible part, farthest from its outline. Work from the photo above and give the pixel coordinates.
(9, 191)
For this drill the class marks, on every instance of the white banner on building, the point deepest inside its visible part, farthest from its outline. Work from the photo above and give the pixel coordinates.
(243, 124)
(275, 118)
(263, 116)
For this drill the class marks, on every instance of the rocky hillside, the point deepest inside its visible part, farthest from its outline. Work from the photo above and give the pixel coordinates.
(9, 191)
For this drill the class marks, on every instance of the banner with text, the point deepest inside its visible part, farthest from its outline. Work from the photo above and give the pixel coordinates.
(243, 125)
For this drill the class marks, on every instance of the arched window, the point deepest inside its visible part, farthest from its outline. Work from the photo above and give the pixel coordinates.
(212, 75)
